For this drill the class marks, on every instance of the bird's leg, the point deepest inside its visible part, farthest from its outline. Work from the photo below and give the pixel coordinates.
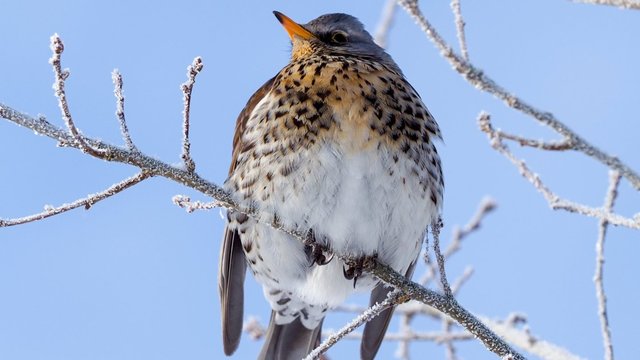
(354, 268)
(316, 252)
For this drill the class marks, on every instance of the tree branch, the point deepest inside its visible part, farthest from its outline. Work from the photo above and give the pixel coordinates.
(462, 41)
(478, 79)
(187, 88)
(612, 193)
(87, 202)
(117, 92)
(624, 4)
(555, 202)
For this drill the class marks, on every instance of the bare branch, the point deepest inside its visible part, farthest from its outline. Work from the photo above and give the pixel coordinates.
(486, 206)
(57, 47)
(609, 201)
(436, 225)
(555, 202)
(117, 92)
(462, 41)
(187, 88)
(466, 275)
(190, 206)
(625, 4)
(478, 79)
(392, 298)
(529, 343)
(384, 25)
(561, 145)
(447, 305)
(155, 167)
(87, 202)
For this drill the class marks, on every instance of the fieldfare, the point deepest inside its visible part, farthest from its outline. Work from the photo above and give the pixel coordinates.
(340, 146)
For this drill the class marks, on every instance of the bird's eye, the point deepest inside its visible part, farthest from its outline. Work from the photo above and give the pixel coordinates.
(339, 37)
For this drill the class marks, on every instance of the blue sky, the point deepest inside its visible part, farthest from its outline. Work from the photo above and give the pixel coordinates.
(136, 277)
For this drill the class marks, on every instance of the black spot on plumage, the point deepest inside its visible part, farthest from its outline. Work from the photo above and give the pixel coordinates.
(301, 111)
(408, 110)
(318, 105)
(296, 82)
(406, 97)
(297, 122)
(322, 94)
(280, 113)
(395, 135)
(383, 79)
(391, 120)
(413, 124)
(412, 136)
(302, 97)
(378, 112)
(313, 117)
(333, 79)
(371, 98)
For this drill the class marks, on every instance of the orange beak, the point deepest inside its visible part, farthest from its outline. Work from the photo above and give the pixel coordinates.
(292, 27)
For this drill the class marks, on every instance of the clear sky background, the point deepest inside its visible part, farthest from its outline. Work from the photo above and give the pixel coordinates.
(136, 277)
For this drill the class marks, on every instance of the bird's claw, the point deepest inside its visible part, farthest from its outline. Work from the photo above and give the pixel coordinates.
(354, 269)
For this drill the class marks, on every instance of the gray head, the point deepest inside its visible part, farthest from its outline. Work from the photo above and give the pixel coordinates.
(333, 34)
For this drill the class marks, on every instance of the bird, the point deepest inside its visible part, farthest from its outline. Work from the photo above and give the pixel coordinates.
(339, 146)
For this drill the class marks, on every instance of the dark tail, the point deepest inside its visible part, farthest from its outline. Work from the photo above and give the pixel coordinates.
(290, 341)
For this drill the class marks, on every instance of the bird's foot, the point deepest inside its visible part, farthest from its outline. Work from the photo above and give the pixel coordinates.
(353, 269)
(317, 253)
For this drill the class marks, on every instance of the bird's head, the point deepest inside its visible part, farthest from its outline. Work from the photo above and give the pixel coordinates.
(332, 34)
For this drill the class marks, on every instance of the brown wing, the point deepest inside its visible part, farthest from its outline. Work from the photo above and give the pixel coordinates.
(233, 265)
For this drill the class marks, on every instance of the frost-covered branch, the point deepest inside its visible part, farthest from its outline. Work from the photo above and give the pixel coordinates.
(480, 80)
(609, 201)
(624, 4)
(392, 298)
(154, 167)
(462, 40)
(87, 202)
(555, 202)
(385, 23)
(117, 92)
(187, 88)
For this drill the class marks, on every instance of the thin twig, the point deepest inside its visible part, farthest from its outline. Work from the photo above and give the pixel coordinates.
(190, 206)
(555, 202)
(481, 81)
(87, 202)
(624, 4)
(609, 201)
(57, 48)
(117, 92)
(385, 23)
(392, 299)
(435, 230)
(561, 145)
(462, 41)
(466, 275)
(187, 88)
(486, 206)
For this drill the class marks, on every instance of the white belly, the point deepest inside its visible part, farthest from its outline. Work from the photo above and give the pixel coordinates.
(362, 203)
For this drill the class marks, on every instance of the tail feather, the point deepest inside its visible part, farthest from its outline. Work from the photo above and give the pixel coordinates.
(292, 341)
